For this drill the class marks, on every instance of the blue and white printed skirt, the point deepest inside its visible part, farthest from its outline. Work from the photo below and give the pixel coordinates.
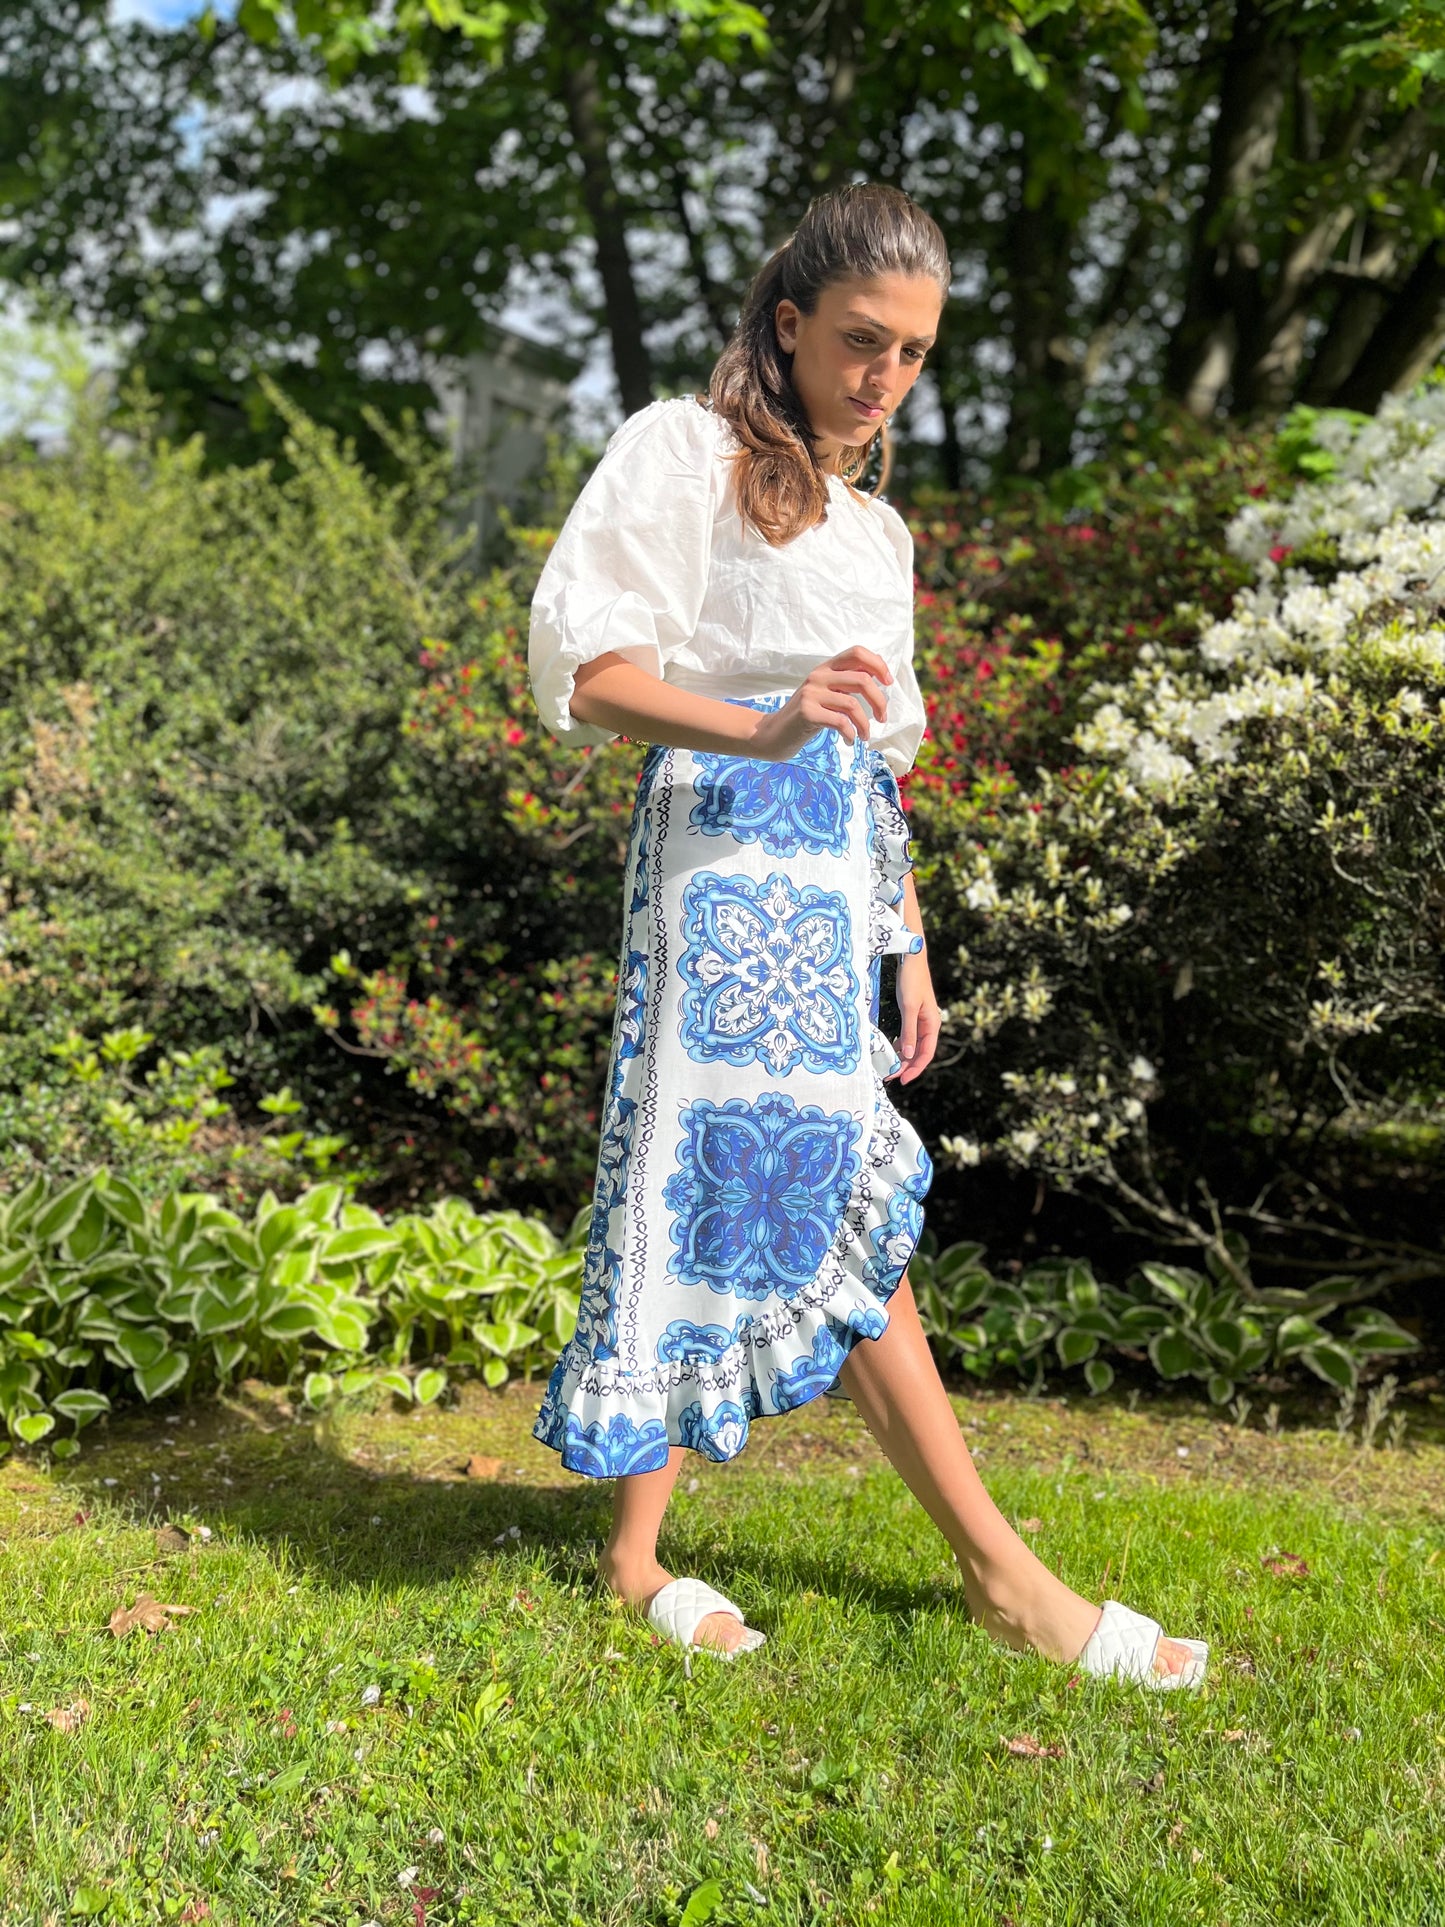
(758, 1197)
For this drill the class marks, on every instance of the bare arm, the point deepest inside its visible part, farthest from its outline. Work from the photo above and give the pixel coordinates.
(912, 915)
(917, 1004)
(618, 695)
(843, 694)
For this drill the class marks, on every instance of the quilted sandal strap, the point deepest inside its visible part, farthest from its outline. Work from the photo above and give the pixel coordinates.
(682, 1605)
(1122, 1645)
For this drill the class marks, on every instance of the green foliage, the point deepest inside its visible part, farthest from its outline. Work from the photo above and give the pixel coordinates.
(1026, 594)
(267, 748)
(1207, 986)
(1183, 1323)
(104, 1293)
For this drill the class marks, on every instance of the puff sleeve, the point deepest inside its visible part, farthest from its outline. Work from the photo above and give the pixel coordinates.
(629, 569)
(897, 739)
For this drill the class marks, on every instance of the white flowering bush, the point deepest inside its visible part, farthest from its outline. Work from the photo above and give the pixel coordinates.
(1202, 971)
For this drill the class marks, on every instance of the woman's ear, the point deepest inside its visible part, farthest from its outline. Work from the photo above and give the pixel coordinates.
(785, 324)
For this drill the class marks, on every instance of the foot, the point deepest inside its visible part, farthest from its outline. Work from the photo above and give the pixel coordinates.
(639, 1582)
(1051, 1619)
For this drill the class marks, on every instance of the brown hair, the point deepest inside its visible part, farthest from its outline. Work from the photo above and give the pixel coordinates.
(857, 232)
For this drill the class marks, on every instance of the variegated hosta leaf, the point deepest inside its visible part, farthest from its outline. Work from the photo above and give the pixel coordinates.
(1332, 1363)
(60, 1215)
(1099, 1374)
(1176, 1356)
(154, 1381)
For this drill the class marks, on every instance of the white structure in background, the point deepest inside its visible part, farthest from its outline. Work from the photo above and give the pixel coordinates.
(495, 407)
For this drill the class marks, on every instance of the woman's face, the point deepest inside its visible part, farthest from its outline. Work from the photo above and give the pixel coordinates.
(858, 354)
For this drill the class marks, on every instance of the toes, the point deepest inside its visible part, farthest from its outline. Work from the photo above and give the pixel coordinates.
(718, 1629)
(1171, 1657)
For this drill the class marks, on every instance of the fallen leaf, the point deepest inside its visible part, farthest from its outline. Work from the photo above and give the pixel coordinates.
(1288, 1565)
(170, 1538)
(1031, 1525)
(193, 1912)
(1026, 1747)
(1174, 1832)
(1233, 1733)
(479, 1466)
(67, 1719)
(709, 1828)
(147, 1613)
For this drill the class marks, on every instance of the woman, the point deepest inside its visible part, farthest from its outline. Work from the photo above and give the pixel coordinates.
(721, 592)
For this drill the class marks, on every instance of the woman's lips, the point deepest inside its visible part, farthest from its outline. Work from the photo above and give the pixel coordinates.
(869, 412)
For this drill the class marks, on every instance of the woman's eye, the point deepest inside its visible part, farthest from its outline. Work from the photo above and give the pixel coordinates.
(866, 341)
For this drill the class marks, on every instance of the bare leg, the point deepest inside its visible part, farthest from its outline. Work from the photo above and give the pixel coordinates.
(895, 1385)
(628, 1563)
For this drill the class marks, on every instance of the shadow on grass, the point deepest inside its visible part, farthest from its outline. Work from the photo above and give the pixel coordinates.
(296, 1489)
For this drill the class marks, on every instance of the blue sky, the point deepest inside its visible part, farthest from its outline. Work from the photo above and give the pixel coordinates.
(159, 13)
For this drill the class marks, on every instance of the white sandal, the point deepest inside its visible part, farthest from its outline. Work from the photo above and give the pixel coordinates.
(1123, 1644)
(680, 1608)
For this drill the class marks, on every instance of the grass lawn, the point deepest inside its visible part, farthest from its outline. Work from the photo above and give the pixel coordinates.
(396, 1699)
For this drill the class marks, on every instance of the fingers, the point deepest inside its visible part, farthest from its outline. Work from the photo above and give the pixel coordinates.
(850, 692)
(917, 1039)
(857, 657)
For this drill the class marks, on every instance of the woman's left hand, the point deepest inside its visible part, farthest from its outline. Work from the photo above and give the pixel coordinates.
(922, 1019)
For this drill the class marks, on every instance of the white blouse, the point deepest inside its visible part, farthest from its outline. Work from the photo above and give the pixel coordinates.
(655, 561)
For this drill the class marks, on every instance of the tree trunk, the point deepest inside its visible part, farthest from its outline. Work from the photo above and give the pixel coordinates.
(582, 93)
(1222, 292)
(950, 450)
(1047, 384)
(1407, 341)
(1268, 364)
(1363, 293)
(709, 293)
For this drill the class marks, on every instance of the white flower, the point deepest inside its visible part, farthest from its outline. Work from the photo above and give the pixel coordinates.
(370, 1695)
(1024, 1142)
(962, 1149)
(1132, 1109)
(407, 1876)
(982, 894)
(1142, 1071)
(1156, 765)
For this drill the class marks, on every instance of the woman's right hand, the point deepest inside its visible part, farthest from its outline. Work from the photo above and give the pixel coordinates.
(843, 694)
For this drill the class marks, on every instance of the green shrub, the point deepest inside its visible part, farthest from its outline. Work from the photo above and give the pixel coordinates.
(103, 1293)
(229, 757)
(1200, 972)
(1183, 1323)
